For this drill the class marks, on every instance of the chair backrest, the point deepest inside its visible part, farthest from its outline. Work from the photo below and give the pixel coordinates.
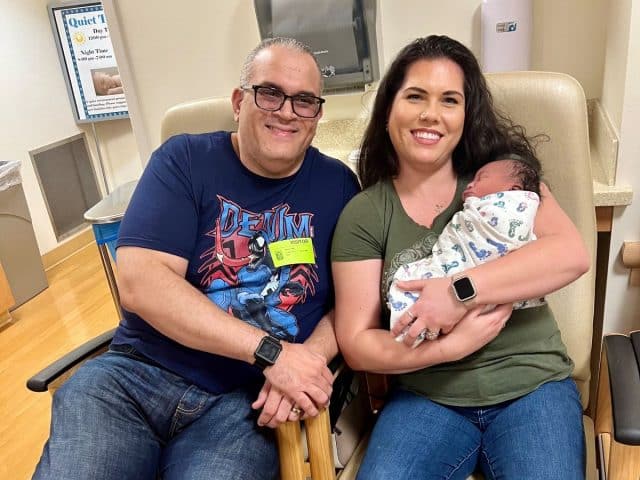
(198, 116)
(554, 104)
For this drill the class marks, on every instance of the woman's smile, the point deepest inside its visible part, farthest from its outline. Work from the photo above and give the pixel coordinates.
(428, 137)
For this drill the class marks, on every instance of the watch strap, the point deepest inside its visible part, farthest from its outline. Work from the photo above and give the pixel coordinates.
(261, 363)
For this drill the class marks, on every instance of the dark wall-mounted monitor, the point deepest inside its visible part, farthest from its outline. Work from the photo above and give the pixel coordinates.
(342, 34)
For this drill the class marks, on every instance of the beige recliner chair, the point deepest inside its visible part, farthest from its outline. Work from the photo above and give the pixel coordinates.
(555, 104)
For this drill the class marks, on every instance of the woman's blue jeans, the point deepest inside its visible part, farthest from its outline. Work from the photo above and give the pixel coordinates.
(120, 417)
(538, 436)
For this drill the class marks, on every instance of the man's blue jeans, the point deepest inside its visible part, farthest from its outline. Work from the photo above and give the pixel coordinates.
(538, 436)
(120, 417)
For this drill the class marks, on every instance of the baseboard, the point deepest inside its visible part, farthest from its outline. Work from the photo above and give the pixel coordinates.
(5, 319)
(67, 248)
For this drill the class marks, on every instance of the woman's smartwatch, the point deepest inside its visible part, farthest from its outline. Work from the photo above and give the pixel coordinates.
(267, 352)
(464, 290)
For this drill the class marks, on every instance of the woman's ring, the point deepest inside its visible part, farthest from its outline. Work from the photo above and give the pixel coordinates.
(429, 335)
(296, 410)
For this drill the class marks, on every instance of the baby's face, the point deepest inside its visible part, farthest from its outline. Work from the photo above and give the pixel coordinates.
(493, 177)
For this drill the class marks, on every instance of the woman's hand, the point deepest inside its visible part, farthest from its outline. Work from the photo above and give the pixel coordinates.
(436, 310)
(302, 375)
(368, 347)
(276, 408)
(473, 332)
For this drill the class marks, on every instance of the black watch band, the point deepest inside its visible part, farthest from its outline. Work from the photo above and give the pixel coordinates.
(267, 352)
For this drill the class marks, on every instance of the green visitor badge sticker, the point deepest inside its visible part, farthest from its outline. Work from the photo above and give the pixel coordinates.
(292, 251)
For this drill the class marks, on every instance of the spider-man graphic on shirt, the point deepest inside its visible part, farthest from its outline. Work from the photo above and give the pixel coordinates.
(240, 276)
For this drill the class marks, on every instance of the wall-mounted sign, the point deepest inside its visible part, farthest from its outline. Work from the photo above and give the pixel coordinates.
(88, 62)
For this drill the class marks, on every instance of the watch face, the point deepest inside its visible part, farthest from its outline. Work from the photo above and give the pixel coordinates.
(269, 350)
(464, 289)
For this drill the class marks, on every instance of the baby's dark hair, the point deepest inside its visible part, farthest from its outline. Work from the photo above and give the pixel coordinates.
(526, 173)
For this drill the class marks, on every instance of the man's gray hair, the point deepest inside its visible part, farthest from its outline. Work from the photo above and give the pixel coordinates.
(291, 43)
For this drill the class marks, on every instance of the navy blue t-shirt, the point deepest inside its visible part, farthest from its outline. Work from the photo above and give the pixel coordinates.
(196, 200)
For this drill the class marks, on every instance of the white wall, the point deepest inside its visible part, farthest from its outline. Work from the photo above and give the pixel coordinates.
(36, 110)
(622, 307)
(177, 54)
(404, 20)
(568, 35)
(616, 56)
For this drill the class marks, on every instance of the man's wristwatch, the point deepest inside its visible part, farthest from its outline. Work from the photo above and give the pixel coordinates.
(267, 352)
(464, 290)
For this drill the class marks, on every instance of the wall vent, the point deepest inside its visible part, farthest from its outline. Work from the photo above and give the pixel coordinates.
(68, 182)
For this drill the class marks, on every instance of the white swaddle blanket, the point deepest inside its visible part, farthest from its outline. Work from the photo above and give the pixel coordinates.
(485, 229)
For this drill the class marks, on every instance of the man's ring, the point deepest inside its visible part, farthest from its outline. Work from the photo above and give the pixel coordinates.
(412, 316)
(296, 410)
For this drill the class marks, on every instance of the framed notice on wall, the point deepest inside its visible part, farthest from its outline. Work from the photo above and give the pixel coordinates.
(88, 62)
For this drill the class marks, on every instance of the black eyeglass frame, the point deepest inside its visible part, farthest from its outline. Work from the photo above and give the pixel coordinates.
(292, 98)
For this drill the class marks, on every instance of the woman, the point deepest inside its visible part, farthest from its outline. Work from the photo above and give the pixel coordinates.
(489, 391)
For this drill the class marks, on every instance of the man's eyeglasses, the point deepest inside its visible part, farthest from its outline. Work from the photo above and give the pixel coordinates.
(272, 100)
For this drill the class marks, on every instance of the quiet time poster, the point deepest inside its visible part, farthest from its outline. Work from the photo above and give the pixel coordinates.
(89, 62)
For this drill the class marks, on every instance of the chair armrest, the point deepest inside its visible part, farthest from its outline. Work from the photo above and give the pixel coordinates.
(310, 452)
(292, 447)
(377, 385)
(320, 445)
(622, 354)
(41, 380)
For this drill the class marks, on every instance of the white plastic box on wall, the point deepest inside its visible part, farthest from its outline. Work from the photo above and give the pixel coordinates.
(507, 28)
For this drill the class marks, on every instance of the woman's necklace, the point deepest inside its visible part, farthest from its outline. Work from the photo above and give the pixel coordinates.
(424, 205)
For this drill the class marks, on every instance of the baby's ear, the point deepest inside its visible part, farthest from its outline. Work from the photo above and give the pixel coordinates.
(516, 187)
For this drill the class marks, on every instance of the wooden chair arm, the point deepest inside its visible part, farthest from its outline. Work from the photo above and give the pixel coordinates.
(318, 432)
(377, 385)
(293, 465)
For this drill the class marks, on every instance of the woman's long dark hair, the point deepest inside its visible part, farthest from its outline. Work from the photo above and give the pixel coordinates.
(485, 135)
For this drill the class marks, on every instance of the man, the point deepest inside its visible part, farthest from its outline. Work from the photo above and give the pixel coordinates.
(224, 275)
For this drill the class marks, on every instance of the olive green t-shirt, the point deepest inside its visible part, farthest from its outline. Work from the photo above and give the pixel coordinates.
(528, 351)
